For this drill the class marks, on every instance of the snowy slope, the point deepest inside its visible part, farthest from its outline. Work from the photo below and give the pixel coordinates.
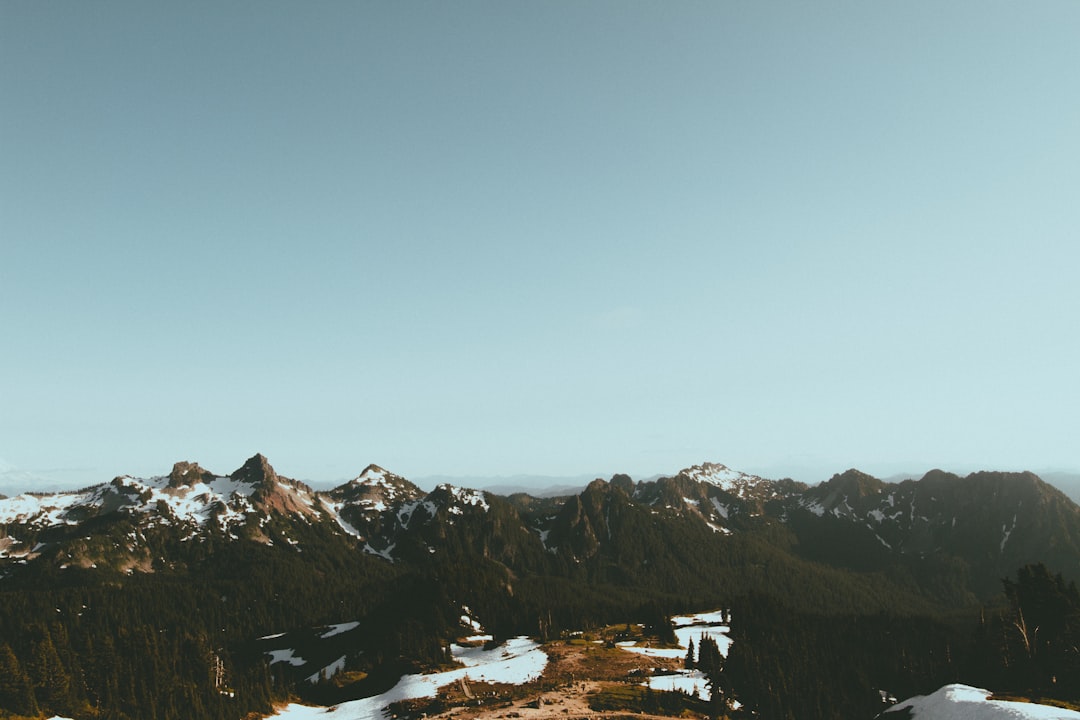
(723, 477)
(219, 499)
(376, 511)
(963, 702)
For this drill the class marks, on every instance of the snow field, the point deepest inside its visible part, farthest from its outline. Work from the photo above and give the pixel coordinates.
(518, 661)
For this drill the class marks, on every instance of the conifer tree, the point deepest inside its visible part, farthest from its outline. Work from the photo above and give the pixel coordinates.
(51, 681)
(16, 694)
(711, 663)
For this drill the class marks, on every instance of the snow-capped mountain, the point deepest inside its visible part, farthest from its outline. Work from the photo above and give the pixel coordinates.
(392, 516)
(994, 522)
(251, 554)
(716, 494)
(112, 524)
(188, 496)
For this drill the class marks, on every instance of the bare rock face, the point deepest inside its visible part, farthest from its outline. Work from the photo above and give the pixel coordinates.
(186, 474)
(275, 493)
(256, 471)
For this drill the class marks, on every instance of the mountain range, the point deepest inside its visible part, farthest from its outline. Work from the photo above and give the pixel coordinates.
(988, 522)
(191, 578)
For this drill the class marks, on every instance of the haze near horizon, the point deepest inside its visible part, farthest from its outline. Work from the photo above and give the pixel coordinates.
(480, 239)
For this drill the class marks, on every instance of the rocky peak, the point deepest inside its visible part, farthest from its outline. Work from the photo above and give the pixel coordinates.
(937, 477)
(597, 486)
(377, 485)
(256, 471)
(715, 474)
(186, 474)
(854, 483)
(375, 475)
(623, 482)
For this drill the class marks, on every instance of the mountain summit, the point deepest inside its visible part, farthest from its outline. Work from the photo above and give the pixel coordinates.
(255, 471)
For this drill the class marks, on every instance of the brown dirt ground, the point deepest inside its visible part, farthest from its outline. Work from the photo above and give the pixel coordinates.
(574, 672)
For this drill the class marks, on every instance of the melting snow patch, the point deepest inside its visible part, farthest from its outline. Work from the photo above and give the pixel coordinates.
(963, 702)
(373, 475)
(691, 682)
(687, 628)
(339, 628)
(721, 476)
(407, 511)
(287, 655)
(544, 540)
(1007, 533)
(468, 621)
(710, 618)
(469, 497)
(518, 661)
(335, 512)
(385, 554)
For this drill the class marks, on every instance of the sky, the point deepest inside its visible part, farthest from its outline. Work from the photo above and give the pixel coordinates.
(544, 238)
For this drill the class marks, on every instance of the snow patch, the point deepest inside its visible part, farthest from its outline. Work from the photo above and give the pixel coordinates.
(334, 509)
(963, 702)
(687, 628)
(518, 661)
(287, 655)
(721, 476)
(385, 554)
(339, 628)
(691, 682)
(468, 497)
(1006, 534)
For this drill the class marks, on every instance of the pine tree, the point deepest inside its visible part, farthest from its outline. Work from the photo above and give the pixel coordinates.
(689, 663)
(51, 681)
(16, 694)
(711, 663)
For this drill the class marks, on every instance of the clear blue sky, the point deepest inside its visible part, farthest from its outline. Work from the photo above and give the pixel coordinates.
(488, 238)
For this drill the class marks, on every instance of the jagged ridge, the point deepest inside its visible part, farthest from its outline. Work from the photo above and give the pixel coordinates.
(996, 521)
